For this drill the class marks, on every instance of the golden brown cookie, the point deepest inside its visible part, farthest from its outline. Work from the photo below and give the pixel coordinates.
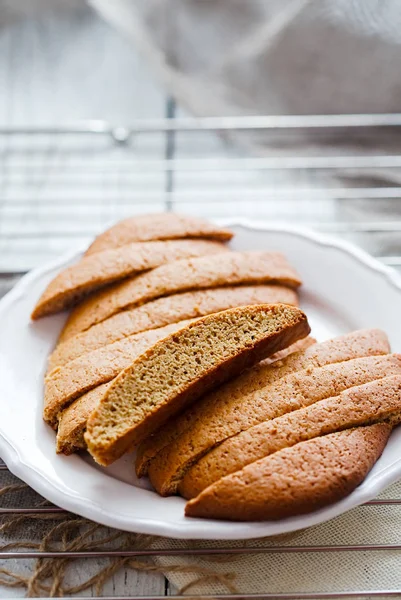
(64, 384)
(159, 226)
(291, 393)
(72, 421)
(228, 268)
(182, 367)
(213, 410)
(296, 480)
(92, 273)
(164, 311)
(361, 405)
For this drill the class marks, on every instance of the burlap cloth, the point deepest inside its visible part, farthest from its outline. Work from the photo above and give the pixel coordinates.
(262, 573)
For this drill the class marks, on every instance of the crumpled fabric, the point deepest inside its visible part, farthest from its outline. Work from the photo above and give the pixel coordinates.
(222, 57)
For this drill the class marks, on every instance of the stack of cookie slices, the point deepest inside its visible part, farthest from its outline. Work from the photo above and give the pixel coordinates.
(199, 358)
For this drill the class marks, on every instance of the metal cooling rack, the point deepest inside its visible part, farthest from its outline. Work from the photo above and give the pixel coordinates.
(59, 186)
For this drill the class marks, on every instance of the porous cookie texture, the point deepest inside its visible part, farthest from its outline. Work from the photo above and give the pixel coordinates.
(159, 226)
(164, 311)
(228, 268)
(361, 405)
(180, 368)
(291, 393)
(94, 272)
(217, 415)
(64, 384)
(296, 480)
(72, 421)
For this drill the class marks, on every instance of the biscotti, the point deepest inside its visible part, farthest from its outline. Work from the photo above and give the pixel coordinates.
(159, 226)
(362, 405)
(298, 346)
(212, 410)
(64, 384)
(296, 480)
(72, 421)
(164, 311)
(291, 393)
(182, 367)
(94, 272)
(229, 268)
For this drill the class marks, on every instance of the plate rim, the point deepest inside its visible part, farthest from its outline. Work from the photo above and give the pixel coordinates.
(241, 530)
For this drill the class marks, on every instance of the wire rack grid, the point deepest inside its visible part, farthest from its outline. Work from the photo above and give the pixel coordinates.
(59, 186)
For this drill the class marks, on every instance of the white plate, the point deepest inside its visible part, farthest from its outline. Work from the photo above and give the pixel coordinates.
(344, 289)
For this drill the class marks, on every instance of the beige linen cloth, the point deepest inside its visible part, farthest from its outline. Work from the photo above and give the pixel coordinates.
(306, 572)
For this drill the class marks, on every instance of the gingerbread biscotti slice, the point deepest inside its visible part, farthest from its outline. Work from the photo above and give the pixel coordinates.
(362, 405)
(64, 384)
(228, 268)
(292, 392)
(164, 311)
(92, 273)
(212, 409)
(72, 421)
(296, 480)
(182, 367)
(159, 226)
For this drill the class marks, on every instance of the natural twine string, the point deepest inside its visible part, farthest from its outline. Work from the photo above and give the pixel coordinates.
(65, 532)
